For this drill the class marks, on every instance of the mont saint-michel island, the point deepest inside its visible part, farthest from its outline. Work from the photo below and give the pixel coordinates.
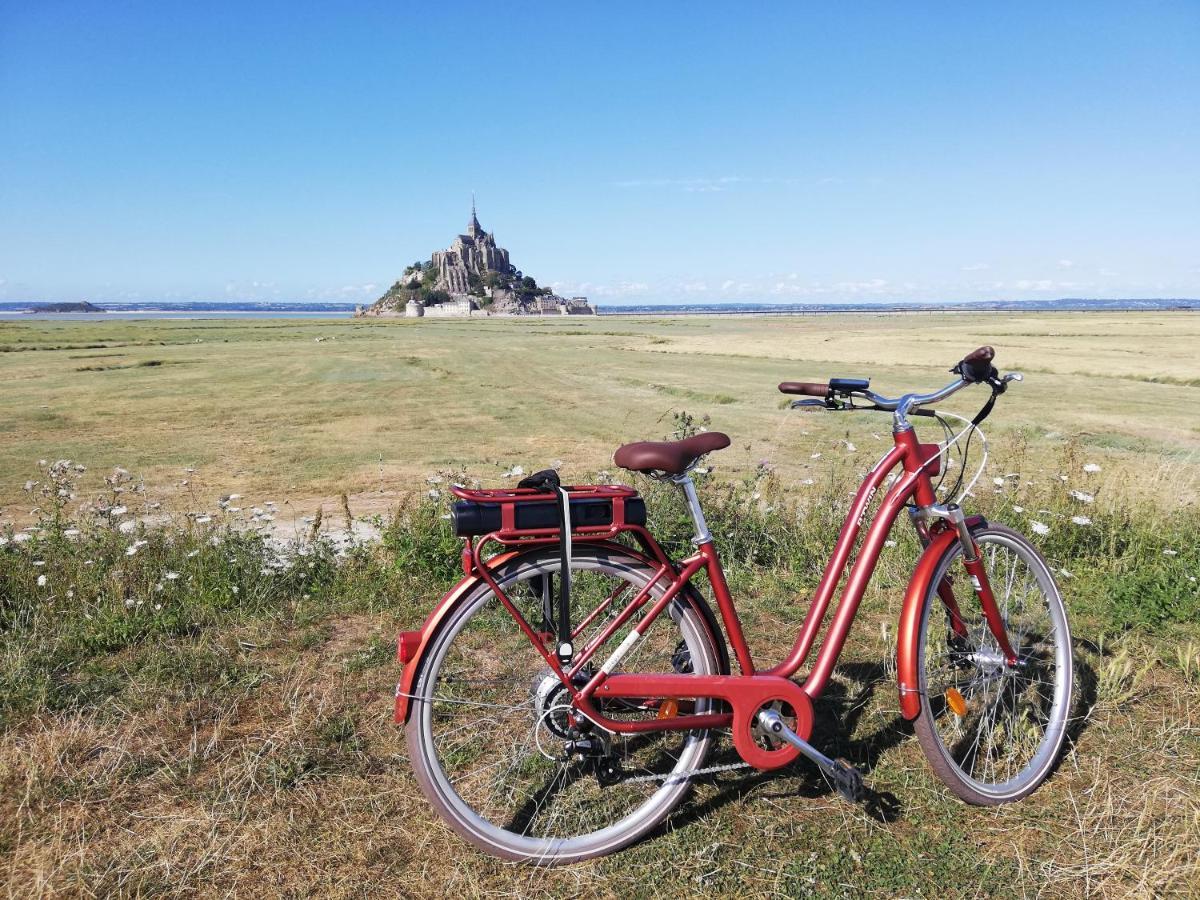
(472, 277)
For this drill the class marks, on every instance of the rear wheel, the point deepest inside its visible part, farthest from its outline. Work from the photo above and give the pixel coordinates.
(992, 731)
(494, 744)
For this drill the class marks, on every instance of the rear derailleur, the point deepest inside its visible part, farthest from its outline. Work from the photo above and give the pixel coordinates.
(595, 750)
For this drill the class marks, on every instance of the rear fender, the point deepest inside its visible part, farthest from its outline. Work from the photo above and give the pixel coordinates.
(413, 646)
(908, 634)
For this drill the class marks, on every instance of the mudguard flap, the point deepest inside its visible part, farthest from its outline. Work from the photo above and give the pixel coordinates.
(908, 635)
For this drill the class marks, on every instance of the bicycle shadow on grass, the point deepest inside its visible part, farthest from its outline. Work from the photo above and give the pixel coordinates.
(836, 716)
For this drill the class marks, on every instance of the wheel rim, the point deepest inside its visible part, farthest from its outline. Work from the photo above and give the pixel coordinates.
(491, 736)
(1000, 727)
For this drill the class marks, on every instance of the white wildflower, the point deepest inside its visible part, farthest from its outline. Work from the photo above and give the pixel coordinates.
(129, 604)
(807, 481)
(22, 537)
(70, 593)
(3, 540)
(1018, 509)
(127, 527)
(998, 482)
(192, 554)
(117, 511)
(172, 576)
(71, 533)
(1170, 553)
(433, 479)
(157, 607)
(889, 543)
(234, 589)
(1082, 497)
(1062, 478)
(1091, 468)
(203, 520)
(39, 563)
(433, 494)
(41, 581)
(850, 448)
(1065, 574)
(1040, 528)
(815, 456)
(1081, 520)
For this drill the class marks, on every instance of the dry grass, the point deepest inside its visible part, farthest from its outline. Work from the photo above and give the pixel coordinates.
(256, 793)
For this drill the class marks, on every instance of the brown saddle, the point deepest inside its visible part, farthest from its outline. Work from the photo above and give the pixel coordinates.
(671, 457)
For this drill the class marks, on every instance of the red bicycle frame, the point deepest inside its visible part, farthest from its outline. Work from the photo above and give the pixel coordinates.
(752, 689)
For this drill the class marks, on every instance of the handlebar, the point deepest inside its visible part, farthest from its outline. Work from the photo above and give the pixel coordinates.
(973, 368)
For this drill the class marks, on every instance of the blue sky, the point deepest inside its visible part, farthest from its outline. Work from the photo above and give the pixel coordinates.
(632, 152)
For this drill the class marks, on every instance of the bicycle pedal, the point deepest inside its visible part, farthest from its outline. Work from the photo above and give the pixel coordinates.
(848, 780)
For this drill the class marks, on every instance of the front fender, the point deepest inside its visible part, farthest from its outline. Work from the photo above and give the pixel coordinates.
(908, 635)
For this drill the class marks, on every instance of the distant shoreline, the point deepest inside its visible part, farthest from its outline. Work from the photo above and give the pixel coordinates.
(25, 311)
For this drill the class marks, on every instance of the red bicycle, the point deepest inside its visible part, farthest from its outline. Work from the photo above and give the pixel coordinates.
(562, 697)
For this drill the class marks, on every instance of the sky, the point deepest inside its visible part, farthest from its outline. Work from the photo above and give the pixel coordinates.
(635, 153)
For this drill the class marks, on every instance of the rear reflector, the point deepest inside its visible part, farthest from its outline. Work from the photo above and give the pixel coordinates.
(406, 645)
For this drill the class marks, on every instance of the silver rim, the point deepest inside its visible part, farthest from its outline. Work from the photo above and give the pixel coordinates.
(1015, 719)
(489, 734)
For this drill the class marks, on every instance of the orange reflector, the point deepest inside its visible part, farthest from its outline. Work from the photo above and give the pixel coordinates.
(669, 709)
(956, 702)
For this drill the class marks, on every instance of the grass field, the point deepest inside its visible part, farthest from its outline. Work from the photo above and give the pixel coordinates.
(306, 410)
(227, 730)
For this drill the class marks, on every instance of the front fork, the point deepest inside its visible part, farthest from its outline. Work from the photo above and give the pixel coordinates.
(973, 563)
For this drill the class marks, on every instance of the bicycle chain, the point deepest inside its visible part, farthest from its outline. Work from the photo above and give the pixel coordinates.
(685, 776)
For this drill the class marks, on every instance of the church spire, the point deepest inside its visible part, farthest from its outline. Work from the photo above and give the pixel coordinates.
(473, 227)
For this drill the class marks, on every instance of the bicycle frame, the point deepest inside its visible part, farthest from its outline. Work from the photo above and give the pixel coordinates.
(913, 464)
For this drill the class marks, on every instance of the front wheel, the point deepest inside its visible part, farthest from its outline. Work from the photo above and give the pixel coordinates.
(993, 731)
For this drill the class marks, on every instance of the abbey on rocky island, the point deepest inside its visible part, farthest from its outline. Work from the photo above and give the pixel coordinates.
(471, 277)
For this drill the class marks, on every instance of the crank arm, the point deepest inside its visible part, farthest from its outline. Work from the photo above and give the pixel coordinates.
(847, 779)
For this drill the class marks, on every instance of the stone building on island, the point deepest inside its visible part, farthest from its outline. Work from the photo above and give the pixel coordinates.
(471, 277)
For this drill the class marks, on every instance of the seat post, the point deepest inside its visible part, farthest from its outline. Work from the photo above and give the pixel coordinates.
(703, 535)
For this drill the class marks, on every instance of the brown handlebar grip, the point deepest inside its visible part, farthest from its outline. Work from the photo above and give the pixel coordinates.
(808, 388)
(983, 355)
